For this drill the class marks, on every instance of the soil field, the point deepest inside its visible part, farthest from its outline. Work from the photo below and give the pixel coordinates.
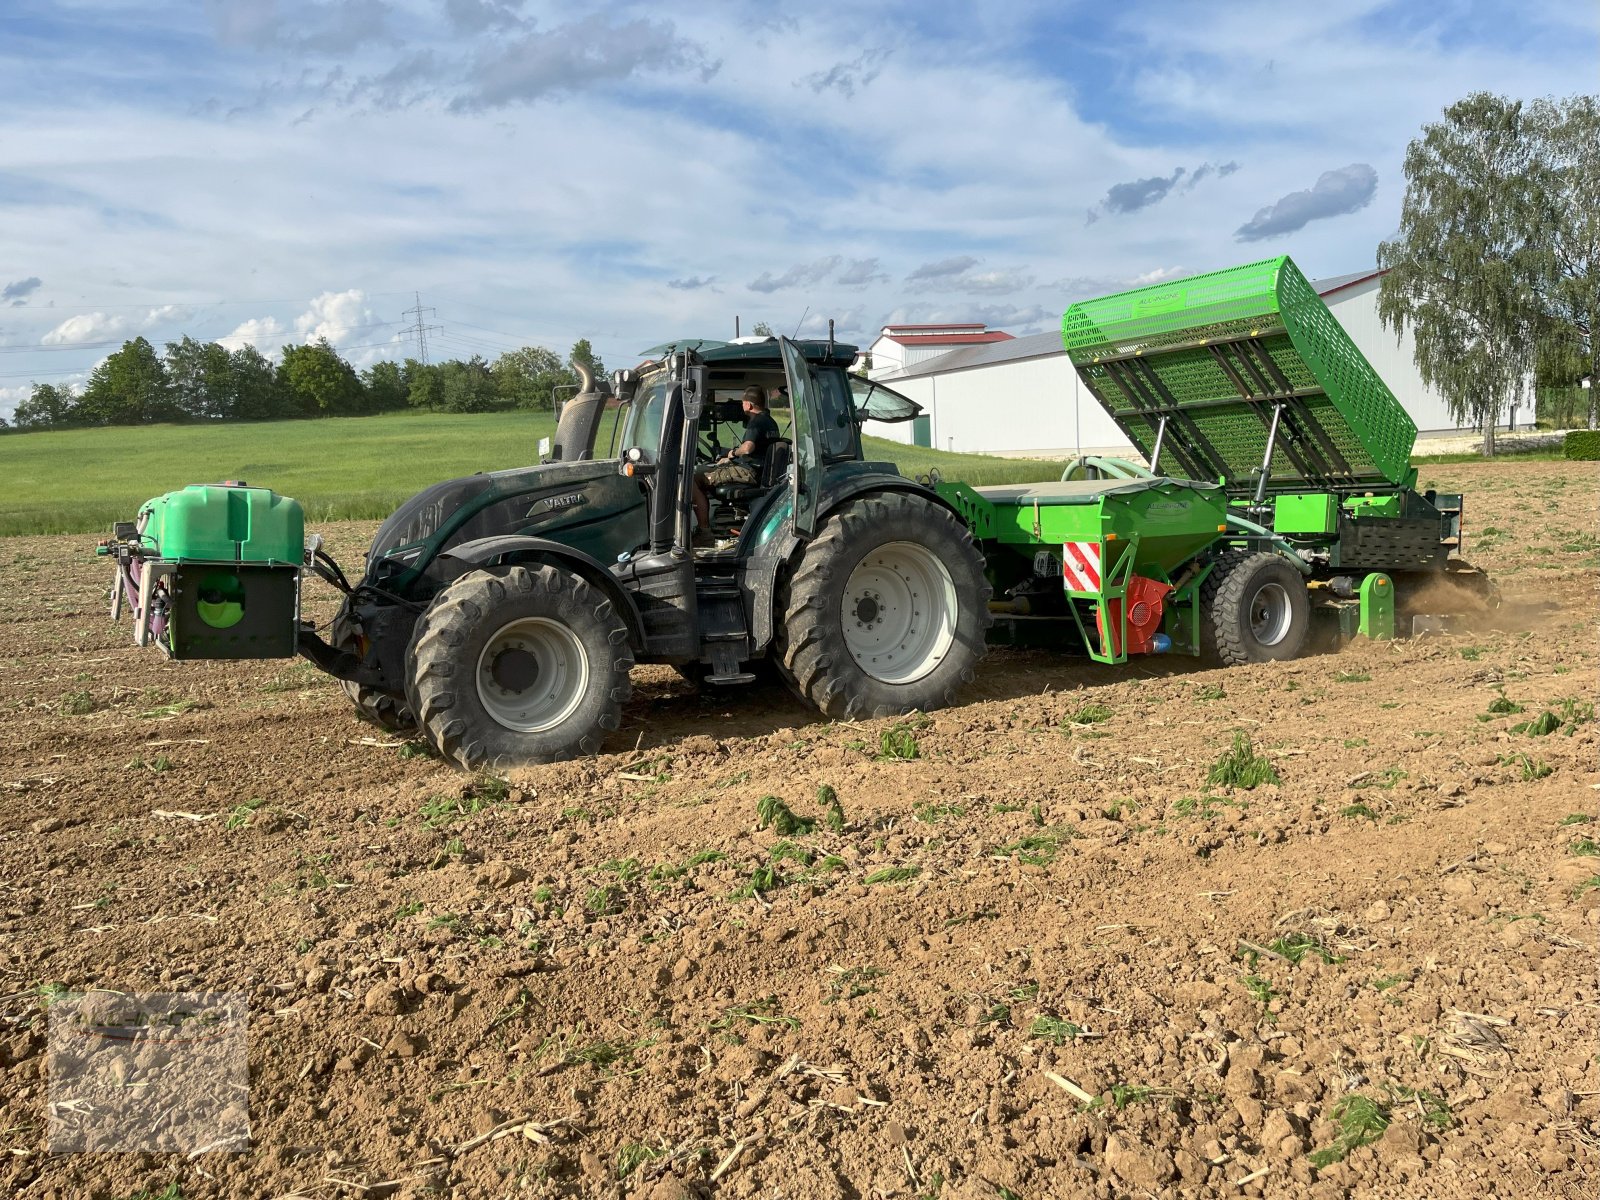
(1034, 953)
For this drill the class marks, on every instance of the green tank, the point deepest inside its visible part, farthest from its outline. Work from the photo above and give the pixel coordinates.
(1156, 525)
(230, 555)
(227, 522)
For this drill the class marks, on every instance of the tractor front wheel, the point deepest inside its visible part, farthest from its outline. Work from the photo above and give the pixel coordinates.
(518, 665)
(885, 610)
(1254, 608)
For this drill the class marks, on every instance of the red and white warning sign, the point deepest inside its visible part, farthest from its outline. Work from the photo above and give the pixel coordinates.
(1080, 566)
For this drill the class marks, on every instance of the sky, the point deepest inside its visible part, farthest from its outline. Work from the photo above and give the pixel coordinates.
(273, 171)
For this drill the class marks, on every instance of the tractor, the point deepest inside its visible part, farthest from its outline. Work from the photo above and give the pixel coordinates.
(500, 615)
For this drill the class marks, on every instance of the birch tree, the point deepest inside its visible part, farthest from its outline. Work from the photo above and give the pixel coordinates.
(1463, 271)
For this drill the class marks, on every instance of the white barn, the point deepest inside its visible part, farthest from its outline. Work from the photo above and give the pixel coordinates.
(1022, 396)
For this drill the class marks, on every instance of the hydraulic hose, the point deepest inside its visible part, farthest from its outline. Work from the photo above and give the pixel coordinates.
(1261, 531)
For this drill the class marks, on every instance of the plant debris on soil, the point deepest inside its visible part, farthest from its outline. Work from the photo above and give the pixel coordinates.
(1316, 928)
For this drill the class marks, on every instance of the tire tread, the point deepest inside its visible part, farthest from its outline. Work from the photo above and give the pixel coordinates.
(809, 643)
(433, 664)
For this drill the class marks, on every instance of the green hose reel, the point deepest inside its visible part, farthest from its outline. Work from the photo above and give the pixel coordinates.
(221, 601)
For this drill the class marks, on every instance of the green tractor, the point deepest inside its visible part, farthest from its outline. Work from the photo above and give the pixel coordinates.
(501, 614)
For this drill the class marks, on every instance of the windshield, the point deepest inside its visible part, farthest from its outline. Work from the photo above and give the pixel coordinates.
(644, 421)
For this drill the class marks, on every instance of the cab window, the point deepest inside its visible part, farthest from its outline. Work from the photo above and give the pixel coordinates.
(836, 431)
(874, 402)
(644, 423)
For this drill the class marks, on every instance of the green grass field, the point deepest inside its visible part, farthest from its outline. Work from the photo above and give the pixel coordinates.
(81, 480)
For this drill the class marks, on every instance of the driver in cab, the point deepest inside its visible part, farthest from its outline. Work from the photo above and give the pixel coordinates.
(743, 463)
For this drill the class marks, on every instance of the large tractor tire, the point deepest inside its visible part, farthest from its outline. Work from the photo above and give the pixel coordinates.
(518, 665)
(885, 610)
(1253, 609)
(383, 709)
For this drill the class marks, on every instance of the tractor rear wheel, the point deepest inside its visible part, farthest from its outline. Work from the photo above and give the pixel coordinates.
(518, 665)
(384, 709)
(1253, 608)
(885, 610)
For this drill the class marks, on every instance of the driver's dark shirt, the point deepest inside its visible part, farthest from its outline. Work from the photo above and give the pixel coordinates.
(761, 432)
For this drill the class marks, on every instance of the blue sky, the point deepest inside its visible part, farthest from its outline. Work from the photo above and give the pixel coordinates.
(275, 170)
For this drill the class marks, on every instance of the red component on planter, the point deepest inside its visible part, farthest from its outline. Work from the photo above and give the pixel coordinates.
(1145, 610)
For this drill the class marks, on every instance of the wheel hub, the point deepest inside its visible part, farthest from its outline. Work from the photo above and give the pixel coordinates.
(898, 612)
(532, 674)
(515, 670)
(1270, 614)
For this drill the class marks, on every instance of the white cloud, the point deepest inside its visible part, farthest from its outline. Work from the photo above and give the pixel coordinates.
(261, 332)
(100, 327)
(86, 327)
(1159, 275)
(338, 317)
(10, 397)
(165, 315)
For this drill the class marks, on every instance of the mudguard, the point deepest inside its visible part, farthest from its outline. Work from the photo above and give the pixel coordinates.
(773, 554)
(510, 548)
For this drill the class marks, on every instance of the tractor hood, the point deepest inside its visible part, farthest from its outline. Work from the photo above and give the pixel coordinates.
(586, 504)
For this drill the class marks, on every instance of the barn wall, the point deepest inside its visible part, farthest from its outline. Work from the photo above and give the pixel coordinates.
(1031, 405)
(1357, 310)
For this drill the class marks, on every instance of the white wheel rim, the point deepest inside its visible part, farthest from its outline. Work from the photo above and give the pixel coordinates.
(532, 674)
(899, 612)
(1270, 614)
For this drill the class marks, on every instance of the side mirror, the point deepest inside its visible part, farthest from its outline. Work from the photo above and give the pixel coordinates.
(696, 378)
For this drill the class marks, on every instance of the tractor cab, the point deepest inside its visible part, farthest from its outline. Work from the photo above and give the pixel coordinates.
(685, 405)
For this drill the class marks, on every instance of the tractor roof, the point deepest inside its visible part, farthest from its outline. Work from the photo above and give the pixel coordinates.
(749, 352)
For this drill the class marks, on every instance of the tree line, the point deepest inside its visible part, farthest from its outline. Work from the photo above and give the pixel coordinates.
(1496, 265)
(204, 381)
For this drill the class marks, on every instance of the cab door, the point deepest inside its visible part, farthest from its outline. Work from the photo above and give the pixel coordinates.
(805, 480)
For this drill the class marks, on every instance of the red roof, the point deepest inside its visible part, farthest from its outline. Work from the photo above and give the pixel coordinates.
(947, 325)
(952, 339)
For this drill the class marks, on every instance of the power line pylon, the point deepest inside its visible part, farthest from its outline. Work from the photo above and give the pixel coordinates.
(419, 330)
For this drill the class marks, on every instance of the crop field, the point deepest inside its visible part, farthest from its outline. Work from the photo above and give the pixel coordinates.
(1318, 928)
(82, 480)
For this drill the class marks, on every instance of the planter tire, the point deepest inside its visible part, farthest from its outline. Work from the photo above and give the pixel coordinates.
(521, 664)
(884, 612)
(384, 709)
(1253, 609)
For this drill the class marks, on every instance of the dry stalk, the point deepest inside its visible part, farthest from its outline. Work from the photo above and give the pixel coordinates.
(727, 1161)
(534, 1131)
(1070, 1088)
